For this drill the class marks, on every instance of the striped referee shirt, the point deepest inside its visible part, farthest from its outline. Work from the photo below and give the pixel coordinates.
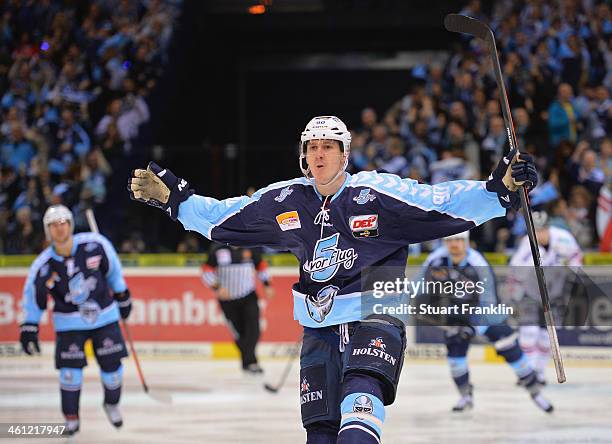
(235, 269)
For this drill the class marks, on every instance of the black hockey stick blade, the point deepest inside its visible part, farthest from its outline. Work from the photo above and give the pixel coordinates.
(271, 388)
(468, 25)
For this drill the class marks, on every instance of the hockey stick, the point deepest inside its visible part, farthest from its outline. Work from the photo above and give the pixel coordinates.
(165, 398)
(294, 354)
(476, 28)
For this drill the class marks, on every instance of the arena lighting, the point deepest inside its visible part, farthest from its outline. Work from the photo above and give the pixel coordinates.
(257, 9)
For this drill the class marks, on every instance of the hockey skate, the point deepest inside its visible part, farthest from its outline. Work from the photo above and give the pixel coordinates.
(72, 425)
(466, 402)
(253, 369)
(113, 414)
(534, 388)
(542, 402)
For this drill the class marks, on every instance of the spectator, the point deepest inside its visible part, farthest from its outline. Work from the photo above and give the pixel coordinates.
(17, 151)
(584, 170)
(580, 203)
(563, 117)
(23, 236)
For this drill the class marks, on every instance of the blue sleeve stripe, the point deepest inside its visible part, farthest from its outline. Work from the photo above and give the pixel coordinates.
(463, 199)
(32, 312)
(202, 214)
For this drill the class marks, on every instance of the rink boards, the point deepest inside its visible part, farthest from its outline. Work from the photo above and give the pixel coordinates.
(175, 315)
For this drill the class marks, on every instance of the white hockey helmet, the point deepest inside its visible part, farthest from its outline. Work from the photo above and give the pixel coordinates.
(325, 127)
(57, 213)
(540, 219)
(464, 235)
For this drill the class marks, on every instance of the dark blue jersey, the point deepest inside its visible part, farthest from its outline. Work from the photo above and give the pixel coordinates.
(81, 285)
(476, 268)
(368, 222)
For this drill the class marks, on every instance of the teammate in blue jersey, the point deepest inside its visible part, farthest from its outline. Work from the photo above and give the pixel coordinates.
(337, 224)
(478, 312)
(82, 274)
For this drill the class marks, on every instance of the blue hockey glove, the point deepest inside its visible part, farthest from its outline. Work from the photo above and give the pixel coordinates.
(509, 175)
(28, 334)
(160, 188)
(124, 301)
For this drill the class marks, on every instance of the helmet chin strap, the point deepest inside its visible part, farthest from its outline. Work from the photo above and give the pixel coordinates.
(340, 171)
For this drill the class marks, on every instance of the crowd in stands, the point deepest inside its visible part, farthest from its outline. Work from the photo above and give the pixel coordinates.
(556, 59)
(74, 83)
(74, 86)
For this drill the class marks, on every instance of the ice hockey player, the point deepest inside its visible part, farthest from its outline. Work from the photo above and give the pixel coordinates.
(457, 263)
(83, 275)
(560, 254)
(336, 224)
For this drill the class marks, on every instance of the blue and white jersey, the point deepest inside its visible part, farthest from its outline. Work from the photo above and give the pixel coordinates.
(370, 221)
(475, 265)
(80, 284)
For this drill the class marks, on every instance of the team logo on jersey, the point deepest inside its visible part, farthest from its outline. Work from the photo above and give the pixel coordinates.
(93, 262)
(378, 343)
(363, 404)
(364, 197)
(289, 220)
(80, 288)
(320, 306)
(89, 310)
(327, 259)
(364, 226)
(304, 387)
(283, 194)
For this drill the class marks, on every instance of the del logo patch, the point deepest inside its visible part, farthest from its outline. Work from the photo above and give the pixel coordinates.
(289, 221)
(364, 226)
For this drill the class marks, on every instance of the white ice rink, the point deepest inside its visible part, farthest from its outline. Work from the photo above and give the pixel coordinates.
(212, 402)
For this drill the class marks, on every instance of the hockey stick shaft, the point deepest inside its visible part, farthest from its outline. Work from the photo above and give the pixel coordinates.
(145, 387)
(468, 25)
(93, 226)
(287, 370)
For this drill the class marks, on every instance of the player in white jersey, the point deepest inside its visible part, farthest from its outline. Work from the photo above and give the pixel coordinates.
(558, 251)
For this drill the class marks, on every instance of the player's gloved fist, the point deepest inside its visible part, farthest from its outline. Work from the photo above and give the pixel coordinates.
(511, 172)
(28, 334)
(524, 171)
(160, 188)
(124, 301)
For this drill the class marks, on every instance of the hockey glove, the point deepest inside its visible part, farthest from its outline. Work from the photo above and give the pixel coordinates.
(463, 333)
(160, 188)
(28, 334)
(509, 174)
(124, 301)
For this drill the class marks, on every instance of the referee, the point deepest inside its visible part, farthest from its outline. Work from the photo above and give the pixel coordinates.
(230, 272)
